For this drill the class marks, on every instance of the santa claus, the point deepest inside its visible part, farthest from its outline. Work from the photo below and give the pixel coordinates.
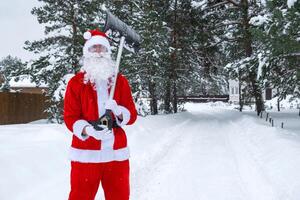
(98, 155)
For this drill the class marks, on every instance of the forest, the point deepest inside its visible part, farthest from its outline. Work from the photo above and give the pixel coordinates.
(188, 48)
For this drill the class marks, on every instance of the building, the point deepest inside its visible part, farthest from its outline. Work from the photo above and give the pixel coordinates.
(26, 86)
(268, 92)
(233, 91)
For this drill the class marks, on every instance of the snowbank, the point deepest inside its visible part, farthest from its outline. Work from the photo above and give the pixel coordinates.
(288, 103)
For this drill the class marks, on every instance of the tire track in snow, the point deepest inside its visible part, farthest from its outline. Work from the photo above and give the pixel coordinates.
(250, 171)
(211, 160)
(253, 179)
(191, 161)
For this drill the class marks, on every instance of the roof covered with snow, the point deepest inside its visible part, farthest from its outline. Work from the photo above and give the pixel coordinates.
(24, 82)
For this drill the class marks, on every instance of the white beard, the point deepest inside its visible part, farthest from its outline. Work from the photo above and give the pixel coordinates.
(97, 67)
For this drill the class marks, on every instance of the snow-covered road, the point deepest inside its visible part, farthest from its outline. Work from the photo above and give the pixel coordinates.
(207, 153)
(215, 154)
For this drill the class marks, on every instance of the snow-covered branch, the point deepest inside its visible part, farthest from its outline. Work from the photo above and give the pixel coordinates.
(234, 3)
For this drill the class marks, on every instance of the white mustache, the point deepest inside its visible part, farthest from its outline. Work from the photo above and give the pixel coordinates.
(97, 55)
(97, 67)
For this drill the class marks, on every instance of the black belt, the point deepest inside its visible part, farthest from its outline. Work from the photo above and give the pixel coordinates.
(96, 124)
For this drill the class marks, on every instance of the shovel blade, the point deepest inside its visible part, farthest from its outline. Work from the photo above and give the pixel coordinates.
(115, 24)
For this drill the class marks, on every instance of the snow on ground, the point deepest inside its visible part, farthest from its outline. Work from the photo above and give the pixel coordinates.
(210, 152)
(33, 161)
(289, 117)
(286, 104)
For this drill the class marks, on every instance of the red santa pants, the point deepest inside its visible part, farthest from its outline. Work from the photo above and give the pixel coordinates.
(85, 179)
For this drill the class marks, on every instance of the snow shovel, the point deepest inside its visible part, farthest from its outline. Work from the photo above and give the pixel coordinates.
(132, 39)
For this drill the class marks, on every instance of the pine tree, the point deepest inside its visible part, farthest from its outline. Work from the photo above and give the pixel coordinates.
(242, 50)
(278, 35)
(154, 46)
(10, 68)
(182, 20)
(60, 52)
(208, 75)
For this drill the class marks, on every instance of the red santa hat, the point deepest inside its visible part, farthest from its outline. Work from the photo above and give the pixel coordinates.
(94, 37)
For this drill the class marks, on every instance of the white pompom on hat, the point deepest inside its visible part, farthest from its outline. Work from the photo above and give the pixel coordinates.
(87, 35)
(94, 37)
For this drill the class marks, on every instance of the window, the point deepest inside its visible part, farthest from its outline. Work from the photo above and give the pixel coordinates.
(268, 94)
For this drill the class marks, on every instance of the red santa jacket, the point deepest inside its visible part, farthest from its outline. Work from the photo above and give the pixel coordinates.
(81, 104)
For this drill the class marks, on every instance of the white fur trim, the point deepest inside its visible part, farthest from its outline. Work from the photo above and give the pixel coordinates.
(126, 116)
(108, 144)
(97, 39)
(87, 35)
(98, 156)
(78, 127)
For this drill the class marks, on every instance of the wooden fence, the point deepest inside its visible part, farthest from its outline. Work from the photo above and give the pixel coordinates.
(21, 107)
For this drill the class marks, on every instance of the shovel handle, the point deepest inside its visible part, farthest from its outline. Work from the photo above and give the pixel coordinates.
(121, 45)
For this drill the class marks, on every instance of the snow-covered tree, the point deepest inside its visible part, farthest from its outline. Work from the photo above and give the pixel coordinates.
(10, 68)
(154, 50)
(60, 52)
(279, 37)
(185, 47)
(208, 75)
(240, 48)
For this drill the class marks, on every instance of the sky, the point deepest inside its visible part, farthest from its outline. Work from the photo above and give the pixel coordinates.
(18, 25)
